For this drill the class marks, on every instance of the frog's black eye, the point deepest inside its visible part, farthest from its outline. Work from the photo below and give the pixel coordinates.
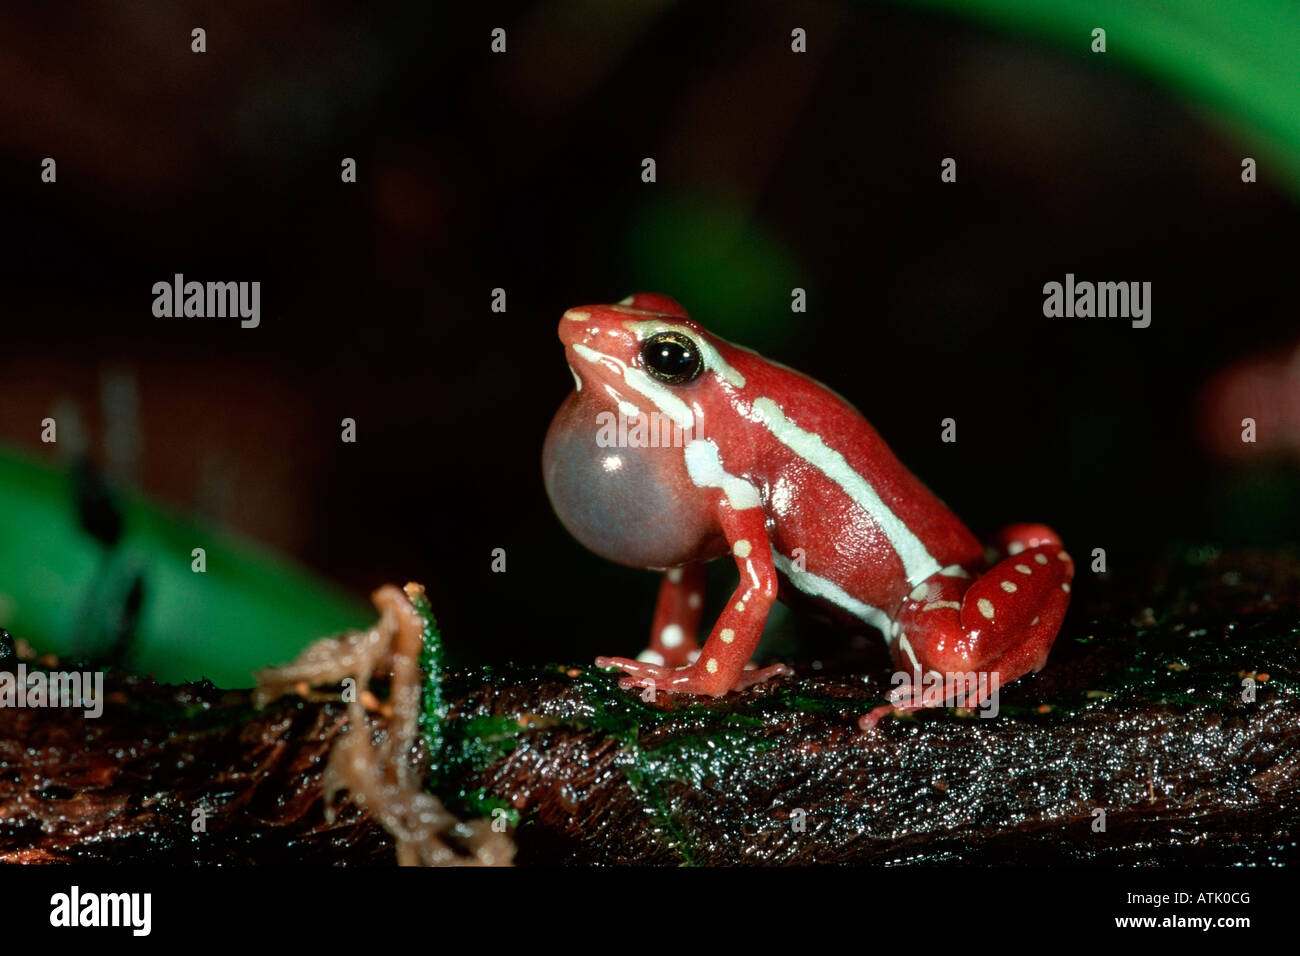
(672, 357)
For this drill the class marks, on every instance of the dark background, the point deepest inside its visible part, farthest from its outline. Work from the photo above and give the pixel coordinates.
(523, 171)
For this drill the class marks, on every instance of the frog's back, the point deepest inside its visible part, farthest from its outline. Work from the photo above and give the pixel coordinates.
(851, 525)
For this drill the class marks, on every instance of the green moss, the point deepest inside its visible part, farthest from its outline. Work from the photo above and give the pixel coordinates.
(478, 804)
(699, 741)
(433, 704)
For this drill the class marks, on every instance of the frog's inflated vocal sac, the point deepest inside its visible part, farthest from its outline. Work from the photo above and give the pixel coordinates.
(718, 450)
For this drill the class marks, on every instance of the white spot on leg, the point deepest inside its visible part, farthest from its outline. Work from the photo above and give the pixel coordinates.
(742, 548)
(740, 607)
(694, 600)
(675, 575)
(672, 636)
(1008, 587)
(986, 608)
(650, 657)
(711, 666)
(935, 605)
(727, 635)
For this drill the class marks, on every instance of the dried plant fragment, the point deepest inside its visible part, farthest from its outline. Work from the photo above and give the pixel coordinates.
(382, 778)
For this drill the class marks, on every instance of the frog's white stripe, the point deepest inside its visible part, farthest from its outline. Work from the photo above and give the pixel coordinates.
(639, 381)
(905, 646)
(704, 466)
(713, 360)
(918, 563)
(625, 408)
(828, 590)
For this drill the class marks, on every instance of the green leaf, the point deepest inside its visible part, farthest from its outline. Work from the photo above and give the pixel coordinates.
(62, 590)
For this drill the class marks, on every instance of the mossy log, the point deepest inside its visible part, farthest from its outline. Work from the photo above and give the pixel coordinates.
(1138, 744)
(163, 761)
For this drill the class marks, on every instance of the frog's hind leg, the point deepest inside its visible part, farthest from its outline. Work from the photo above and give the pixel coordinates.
(1017, 606)
(961, 631)
(1015, 538)
(1012, 611)
(673, 641)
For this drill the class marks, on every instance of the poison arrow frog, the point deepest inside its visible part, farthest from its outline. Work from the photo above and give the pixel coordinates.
(719, 451)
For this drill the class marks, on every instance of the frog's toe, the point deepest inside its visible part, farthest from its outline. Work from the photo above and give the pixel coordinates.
(902, 699)
(637, 673)
(753, 674)
(655, 677)
(867, 722)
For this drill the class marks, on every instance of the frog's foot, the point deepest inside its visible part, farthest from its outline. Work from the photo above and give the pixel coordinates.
(688, 680)
(903, 699)
(935, 690)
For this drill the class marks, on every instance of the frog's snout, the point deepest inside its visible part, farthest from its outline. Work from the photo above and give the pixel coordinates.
(577, 327)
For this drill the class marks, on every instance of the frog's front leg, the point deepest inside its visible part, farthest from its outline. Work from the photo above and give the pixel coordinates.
(978, 632)
(677, 618)
(721, 666)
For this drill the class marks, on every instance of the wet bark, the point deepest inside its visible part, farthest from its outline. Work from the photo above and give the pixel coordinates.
(1138, 744)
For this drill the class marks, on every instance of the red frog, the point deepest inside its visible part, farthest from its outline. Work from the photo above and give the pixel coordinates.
(678, 447)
